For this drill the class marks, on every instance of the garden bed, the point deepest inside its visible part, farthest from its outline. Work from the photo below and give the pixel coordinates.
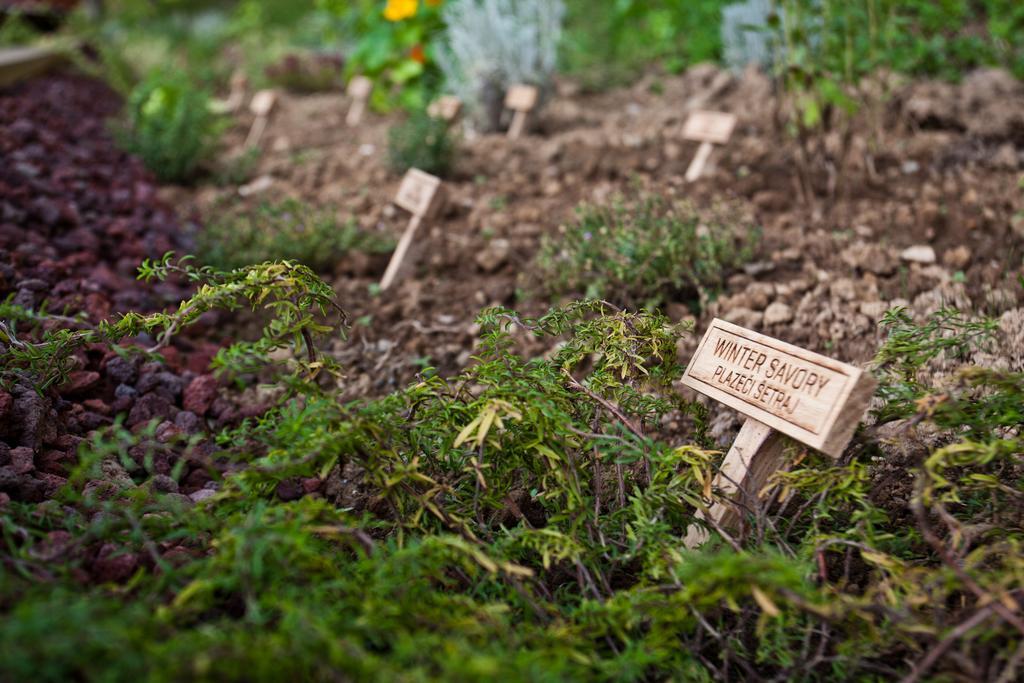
(492, 469)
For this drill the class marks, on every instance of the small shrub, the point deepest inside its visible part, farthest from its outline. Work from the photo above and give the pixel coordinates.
(288, 230)
(291, 293)
(748, 36)
(423, 142)
(645, 251)
(492, 44)
(307, 73)
(237, 169)
(170, 126)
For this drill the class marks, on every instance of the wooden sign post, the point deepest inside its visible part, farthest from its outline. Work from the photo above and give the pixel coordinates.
(420, 194)
(261, 105)
(446, 107)
(781, 389)
(359, 89)
(709, 128)
(521, 99)
(236, 95)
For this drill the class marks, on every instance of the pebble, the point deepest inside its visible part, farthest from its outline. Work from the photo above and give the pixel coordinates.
(744, 317)
(201, 495)
(777, 313)
(919, 253)
(957, 258)
(494, 255)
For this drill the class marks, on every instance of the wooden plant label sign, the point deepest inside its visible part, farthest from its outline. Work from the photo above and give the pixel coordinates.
(261, 105)
(235, 98)
(447, 108)
(359, 89)
(263, 102)
(709, 128)
(800, 393)
(781, 389)
(521, 99)
(419, 194)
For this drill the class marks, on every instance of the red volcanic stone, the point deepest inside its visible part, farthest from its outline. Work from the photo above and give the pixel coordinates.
(56, 462)
(97, 307)
(97, 405)
(200, 359)
(80, 382)
(53, 546)
(200, 394)
(6, 400)
(149, 407)
(113, 565)
(22, 460)
(167, 431)
(51, 483)
(172, 357)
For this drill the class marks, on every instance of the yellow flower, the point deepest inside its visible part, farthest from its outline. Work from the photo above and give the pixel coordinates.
(400, 9)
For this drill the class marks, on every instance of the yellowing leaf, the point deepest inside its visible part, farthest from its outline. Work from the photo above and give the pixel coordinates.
(765, 603)
(466, 431)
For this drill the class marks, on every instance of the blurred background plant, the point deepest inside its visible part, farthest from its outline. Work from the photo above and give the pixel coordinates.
(492, 44)
(238, 236)
(308, 72)
(748, 36)
(392, 42)
(611, 43)
(643, 250)
(170, 126)
(421, 141)
(401, 44)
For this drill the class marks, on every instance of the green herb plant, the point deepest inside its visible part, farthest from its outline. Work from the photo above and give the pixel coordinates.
(293, 296)
(524, 520)
(291, 230)
(421, 141)
(645, 250)
(170, 126)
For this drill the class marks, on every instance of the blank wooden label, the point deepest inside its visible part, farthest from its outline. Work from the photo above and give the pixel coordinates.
(709, 126)
(521, 97)
(446, 107)
(810, 397)
(359, 87)
(418, 192)
(262, 102)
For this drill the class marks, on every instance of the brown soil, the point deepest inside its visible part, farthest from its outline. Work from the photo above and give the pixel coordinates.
(825, 272)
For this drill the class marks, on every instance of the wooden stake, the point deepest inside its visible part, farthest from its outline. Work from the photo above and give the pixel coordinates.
(517, 126)
(359, 89)
(256, 132)
(754, 456)
(235, 98)
(355, 113)
(398, 258)
(700, 160)
(261, 105)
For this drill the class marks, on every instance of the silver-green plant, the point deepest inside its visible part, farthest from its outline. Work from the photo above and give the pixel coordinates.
(748, 34)
(492, 44)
